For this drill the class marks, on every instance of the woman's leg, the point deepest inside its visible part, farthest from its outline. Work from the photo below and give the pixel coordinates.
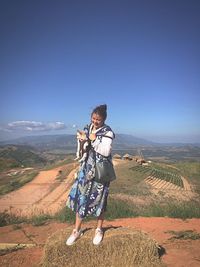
(76, 233)
(100, 220)
(78, 222)
(98, 232)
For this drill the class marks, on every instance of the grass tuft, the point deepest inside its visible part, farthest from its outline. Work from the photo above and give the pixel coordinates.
(7, 219)
(187, 234)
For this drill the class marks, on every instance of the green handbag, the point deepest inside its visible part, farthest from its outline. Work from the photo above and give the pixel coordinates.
(104, 171)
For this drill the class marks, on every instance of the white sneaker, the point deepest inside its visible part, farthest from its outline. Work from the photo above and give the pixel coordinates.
(98, 236)
(73, 237)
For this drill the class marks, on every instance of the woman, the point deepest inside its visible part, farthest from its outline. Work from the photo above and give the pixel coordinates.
(87, 196)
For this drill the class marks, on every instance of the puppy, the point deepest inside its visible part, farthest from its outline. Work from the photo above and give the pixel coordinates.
(83, 147)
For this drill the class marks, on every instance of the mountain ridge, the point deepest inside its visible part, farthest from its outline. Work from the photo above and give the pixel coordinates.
(12, 156)
(69, 140)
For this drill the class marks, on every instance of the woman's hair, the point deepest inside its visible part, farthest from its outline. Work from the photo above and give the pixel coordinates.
(101, 111)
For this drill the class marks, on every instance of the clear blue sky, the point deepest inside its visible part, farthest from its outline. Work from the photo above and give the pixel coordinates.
(59, 59)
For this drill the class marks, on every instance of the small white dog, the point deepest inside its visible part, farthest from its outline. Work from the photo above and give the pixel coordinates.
(83, 146)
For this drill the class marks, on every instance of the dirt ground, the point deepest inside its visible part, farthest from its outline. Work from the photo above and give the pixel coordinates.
(175, 253)
(44, 194)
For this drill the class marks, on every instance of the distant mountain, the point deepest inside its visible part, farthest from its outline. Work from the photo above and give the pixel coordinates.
(45, 142)
(12, 156)
(127, 141)
(41, 150)
(64, 141)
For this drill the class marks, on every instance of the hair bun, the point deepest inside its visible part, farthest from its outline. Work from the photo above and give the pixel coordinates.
(103, 107)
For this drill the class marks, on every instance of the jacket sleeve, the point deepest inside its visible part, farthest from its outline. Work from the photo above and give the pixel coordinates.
(103, 144)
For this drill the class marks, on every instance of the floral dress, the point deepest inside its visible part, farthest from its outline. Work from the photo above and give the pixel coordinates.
(88, 197)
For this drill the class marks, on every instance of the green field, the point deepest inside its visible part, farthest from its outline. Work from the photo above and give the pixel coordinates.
(131, 193)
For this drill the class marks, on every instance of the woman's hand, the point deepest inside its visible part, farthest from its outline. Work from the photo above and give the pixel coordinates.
(92, 136)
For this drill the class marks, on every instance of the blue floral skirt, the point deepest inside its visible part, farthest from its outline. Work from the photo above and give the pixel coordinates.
(87, 197)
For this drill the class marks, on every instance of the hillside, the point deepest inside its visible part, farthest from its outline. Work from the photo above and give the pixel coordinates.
(158, 189)
(45, 142)
(12, 156)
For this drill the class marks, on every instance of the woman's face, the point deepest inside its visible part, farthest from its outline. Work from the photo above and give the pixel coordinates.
(97, 120)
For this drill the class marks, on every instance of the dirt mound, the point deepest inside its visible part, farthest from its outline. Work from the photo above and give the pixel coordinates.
(120, 247)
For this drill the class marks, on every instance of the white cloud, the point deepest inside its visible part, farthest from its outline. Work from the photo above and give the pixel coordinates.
(34, 126)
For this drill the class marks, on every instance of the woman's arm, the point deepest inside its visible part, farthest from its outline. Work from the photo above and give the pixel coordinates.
(103, 145)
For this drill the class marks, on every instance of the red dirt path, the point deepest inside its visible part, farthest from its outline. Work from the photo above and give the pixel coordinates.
(44, 194)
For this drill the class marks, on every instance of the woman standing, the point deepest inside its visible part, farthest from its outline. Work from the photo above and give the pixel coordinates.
(87, 196)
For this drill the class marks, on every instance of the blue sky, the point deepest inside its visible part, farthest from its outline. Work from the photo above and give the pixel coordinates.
(59, 59)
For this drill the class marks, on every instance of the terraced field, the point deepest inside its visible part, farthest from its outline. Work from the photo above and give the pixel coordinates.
(163, 178)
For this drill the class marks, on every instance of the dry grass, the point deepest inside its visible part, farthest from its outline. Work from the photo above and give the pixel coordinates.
(120, 247)
(187, 234)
